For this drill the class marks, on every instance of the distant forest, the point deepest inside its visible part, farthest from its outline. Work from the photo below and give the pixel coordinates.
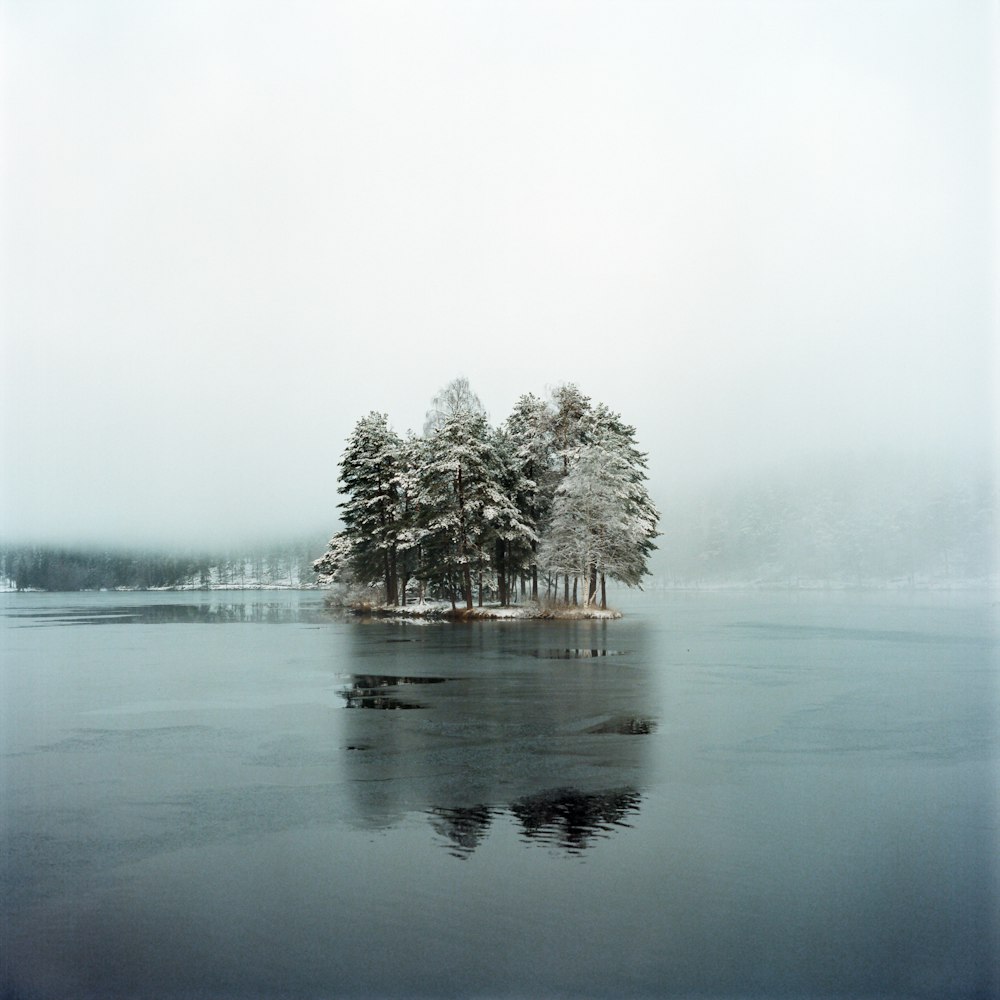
(46, 567)
(889, 522)
(859, 523)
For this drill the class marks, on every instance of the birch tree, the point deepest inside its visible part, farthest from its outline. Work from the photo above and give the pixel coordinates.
(603, 520)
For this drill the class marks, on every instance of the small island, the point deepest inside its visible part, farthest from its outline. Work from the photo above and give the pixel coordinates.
(469, 521)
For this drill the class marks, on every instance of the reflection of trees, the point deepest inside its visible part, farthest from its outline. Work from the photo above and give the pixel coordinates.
(463, 827)
(369, 691)
(502, 722)
(571, 819)
(201, 613)
(561, 817)
(625, 726)
(575, 654)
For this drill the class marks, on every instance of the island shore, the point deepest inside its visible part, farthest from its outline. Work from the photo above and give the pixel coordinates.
(436, 611)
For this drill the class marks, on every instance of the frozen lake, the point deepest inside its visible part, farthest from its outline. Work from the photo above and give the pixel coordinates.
(722, 795)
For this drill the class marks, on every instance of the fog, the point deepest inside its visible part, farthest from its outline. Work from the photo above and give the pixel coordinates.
(762, 231)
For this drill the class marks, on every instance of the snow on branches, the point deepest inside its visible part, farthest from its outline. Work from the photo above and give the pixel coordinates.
(471, 511)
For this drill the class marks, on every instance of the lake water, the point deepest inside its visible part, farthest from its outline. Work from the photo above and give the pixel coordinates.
(721, 795)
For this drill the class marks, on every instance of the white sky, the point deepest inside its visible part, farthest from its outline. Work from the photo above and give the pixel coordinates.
(761, 230)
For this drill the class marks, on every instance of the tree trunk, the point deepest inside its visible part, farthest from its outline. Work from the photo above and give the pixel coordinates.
(534, 583)
(565, 588)
(466, 571)
(576, 580)
(390, 578)
(592, 585)
(604, 594)
(467, 584)
(501, 557)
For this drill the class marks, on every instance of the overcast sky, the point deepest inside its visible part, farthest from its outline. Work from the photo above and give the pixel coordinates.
(760, 230)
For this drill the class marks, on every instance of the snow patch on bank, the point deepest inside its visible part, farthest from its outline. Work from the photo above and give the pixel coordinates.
(443, 611)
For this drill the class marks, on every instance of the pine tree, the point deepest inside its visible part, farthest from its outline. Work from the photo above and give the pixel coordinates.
(570, 409)
(369, 481)
(409, 532)
(452, 500)
(509, 536)
(469, 502)
(529, 431)
(571, 406)
(334, 565)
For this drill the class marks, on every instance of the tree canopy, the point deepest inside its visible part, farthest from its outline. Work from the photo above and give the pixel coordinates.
(470, 511)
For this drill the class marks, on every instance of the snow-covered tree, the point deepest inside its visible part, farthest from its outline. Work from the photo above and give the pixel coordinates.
(409, 536)
(333, 565)
(462, 500)
(510, 521)
(603, 519)
(370, 473)
(531, 442)
(455, 399)
(570, 408)
(468, 503)
(625, 465)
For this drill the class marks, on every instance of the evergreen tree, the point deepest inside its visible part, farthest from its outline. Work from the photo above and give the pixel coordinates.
(454, 490)
(334, 565)
(469, 503)
(529, 432)
(370, 511)
(570, 408)
(410, 534)
(509, 526)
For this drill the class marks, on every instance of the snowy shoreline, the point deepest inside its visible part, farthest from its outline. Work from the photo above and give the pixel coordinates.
(493, 612)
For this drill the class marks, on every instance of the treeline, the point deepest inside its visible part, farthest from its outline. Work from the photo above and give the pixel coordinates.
(555, 494)
(854, 522)
(55, 568)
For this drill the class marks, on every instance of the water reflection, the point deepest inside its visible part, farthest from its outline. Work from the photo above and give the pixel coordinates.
(576, 654)
(369, 691)
(193, 812)
(505, 731)
(201, 612)
(625, 726)
(570, 819)
(464, 827)
(563, 818)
